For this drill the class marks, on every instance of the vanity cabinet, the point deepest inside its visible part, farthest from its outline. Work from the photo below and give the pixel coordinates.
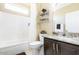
(55, 47)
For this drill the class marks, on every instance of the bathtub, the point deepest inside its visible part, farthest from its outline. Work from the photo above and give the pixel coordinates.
(12, 47)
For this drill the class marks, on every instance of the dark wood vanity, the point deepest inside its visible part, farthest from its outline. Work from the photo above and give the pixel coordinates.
(56, 47)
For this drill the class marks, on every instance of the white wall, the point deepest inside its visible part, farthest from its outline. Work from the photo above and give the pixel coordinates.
(13, 27)
(72, 22)
(32, 27)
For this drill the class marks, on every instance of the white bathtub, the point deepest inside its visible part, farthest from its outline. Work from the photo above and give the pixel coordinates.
(12, 47)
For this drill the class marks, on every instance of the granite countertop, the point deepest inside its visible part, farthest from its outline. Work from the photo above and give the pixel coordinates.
(64, 39)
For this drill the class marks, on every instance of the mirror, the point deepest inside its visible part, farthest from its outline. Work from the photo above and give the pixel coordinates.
(72, 22)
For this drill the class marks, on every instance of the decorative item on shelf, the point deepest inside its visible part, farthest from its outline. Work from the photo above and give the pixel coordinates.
(44, 15)
(43, 32)
(43, 19)
(44, 12)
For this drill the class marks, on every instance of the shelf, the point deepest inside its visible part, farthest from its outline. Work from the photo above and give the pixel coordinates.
(46, 21)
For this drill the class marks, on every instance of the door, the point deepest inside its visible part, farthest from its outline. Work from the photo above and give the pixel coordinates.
(68, 49)
(49, 46)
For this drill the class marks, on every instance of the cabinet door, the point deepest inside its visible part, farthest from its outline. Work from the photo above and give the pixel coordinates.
(49, 47)
(68, 49)
(77, 50)
(58, 48)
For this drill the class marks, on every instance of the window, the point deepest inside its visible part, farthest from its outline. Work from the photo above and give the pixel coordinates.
(16, 8)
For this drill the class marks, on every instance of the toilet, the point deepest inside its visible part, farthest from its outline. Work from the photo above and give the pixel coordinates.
(36, 45)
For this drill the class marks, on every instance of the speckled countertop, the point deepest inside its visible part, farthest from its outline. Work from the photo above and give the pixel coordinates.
(64, 39)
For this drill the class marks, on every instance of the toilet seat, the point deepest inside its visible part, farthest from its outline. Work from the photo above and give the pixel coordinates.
(35, 44)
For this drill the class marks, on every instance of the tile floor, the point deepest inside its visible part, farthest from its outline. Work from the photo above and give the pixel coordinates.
(30, 51)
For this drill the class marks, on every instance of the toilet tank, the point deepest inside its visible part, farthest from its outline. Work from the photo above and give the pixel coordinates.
(41, 37)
